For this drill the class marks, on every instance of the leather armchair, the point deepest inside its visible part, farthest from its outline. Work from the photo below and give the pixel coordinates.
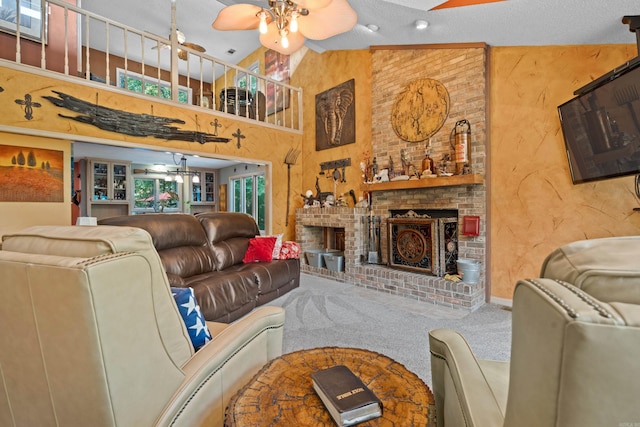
(92, 336)
(573, 356)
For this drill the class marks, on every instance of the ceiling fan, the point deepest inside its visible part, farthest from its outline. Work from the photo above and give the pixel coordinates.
(284, 24)
(182, 41)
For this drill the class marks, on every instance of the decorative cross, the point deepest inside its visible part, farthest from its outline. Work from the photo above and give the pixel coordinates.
(215, 125)
(238, 135)
(28, 106)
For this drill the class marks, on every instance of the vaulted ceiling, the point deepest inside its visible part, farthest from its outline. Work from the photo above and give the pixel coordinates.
(495, 22)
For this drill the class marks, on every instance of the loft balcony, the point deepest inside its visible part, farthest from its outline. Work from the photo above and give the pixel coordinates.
(55, 37)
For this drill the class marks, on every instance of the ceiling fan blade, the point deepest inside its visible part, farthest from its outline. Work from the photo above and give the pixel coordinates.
(338, 17)
(313, 4)
(237, 17)
(161, 46)
(271, 40)
(194, 46)
(460, 3)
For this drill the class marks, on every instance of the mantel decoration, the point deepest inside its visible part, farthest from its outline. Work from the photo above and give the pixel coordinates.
(283, 24)
(336, 116)
(128, 123)
(420, 110)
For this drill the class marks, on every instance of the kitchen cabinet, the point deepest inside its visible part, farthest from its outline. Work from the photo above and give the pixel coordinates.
(108, 187)
(203, 193)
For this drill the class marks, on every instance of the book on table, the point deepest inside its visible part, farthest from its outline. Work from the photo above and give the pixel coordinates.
(347, 398)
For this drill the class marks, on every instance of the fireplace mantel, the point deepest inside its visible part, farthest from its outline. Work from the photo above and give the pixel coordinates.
(441, 181)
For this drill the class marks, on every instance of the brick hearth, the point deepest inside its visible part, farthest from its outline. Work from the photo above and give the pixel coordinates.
(423, 287)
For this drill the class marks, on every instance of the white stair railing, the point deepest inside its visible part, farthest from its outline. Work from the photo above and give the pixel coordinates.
(79, 43)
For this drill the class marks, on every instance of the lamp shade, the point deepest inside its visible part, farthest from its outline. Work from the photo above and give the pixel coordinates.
(272, 40)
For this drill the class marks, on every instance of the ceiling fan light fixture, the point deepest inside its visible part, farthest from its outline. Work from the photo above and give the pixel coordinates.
(284, 40)
(180, 37)
(262, 16)
(293, 25)
(284, 24)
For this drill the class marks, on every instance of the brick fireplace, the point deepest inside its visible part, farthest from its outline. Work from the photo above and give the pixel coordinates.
(462, 70)
(311, 231)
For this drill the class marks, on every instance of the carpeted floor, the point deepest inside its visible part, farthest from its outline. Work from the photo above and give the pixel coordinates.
(322, 313)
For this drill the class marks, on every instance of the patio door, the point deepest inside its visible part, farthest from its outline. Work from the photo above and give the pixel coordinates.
(248, 196)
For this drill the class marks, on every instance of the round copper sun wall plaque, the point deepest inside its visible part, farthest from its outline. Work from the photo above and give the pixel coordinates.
(420, 110)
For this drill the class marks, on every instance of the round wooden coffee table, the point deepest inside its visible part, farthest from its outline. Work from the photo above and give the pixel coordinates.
(281, 393)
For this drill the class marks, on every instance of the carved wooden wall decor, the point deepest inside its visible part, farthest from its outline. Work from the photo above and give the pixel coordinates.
(29, 104)
(420, 110)
(336, 116)
(129, 123)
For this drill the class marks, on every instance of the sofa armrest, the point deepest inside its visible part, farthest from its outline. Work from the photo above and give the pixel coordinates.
(220, 368)
(176, 281)
(462, 391)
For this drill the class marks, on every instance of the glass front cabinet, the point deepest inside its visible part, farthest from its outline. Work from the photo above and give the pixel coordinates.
(108, 187)
(203, 193)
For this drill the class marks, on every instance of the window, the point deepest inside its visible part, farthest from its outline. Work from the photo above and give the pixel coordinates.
(155, 195)
(249, 197)
(249, 81)
(135, 84)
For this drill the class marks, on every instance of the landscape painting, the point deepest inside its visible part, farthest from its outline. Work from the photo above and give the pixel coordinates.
(31, 174)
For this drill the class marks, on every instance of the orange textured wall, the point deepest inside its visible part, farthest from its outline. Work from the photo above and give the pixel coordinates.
(260, 143)
(317, 73)
(534, 205)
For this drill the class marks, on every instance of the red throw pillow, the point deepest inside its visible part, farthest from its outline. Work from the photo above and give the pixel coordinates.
(290, 250)
(260, 249)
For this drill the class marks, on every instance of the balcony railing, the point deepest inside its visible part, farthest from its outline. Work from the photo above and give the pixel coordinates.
(62, 38)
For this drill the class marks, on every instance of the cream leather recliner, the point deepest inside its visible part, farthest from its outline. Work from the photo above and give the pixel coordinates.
(574, 350)
(91, 336)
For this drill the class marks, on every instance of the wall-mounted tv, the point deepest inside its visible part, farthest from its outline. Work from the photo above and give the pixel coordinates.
(601, 126)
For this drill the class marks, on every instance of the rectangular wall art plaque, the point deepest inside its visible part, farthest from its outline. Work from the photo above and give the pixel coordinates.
(31, 174)
(336, 116)
(32, 26)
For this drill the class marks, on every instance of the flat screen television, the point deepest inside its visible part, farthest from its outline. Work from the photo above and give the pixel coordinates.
(601, 126)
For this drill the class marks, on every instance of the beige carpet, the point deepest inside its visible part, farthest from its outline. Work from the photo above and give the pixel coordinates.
(323, 312)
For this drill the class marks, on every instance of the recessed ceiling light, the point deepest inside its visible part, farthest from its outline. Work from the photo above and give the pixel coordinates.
(372, 27)
(421, 24)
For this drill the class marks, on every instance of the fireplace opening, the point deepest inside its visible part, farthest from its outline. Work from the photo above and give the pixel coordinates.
(423, 240)
(334, 238)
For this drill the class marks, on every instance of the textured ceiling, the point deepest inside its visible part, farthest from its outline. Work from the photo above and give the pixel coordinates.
(502, 23)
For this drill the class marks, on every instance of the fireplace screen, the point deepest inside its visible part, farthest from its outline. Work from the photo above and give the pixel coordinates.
(426, 245)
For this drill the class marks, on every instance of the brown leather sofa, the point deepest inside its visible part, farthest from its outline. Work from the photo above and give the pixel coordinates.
(205, 252)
